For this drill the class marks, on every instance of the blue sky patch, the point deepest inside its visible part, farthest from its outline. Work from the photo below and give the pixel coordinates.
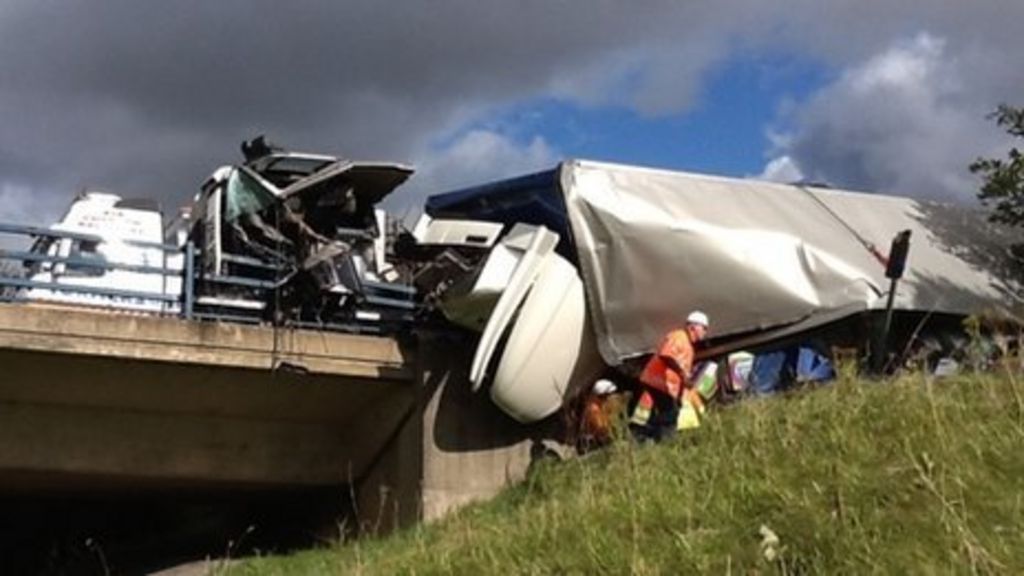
(724, 133)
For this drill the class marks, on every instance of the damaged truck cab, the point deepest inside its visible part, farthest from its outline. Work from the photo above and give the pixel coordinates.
(298, 235)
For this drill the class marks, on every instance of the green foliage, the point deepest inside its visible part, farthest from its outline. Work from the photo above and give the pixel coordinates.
(911, 476)
(1003, 186)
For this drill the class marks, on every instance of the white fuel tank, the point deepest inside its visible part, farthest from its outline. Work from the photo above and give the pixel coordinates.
(541, 318)
(550, 352)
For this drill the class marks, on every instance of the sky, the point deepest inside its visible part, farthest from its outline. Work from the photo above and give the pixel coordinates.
(147, 99)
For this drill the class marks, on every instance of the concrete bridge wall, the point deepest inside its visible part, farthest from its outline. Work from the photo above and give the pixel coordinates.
(104, 401)
(93, 399)
(457, 448)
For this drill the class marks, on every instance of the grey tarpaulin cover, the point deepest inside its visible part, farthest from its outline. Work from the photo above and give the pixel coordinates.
(654, 244)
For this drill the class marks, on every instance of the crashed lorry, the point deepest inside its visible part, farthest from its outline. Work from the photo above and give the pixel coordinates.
(564, 274)
(614, 256)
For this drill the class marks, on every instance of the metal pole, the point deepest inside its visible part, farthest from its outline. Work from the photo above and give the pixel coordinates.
(882, 344)
(894, 267)
(188, 281)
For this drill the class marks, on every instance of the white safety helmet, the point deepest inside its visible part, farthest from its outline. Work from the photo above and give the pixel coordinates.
(604, 387)
(699, 318)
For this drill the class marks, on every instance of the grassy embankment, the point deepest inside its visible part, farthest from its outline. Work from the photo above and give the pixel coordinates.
(907, 476)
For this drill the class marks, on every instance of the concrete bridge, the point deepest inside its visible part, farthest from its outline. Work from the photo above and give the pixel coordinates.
(102, 401)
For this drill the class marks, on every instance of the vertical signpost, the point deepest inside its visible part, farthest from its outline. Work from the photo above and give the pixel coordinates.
(896, 264)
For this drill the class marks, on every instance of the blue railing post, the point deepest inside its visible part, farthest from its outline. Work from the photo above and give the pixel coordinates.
(188, 280)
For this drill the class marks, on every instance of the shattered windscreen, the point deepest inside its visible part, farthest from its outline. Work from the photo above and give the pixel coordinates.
(245, 195)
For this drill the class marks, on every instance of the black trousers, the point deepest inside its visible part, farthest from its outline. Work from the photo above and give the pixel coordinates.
(661, 424)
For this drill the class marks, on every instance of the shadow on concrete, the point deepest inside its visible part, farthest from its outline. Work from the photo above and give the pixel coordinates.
(468, 421)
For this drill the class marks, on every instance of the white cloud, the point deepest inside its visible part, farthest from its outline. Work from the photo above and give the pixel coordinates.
(782, 169)
(903, 121)
(907, 67)
(476, 157)
(22, 205)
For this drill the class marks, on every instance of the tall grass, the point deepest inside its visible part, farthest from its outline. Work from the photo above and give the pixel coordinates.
(906, 476)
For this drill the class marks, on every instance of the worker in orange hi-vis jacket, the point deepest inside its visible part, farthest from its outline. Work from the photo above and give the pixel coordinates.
(665, 379)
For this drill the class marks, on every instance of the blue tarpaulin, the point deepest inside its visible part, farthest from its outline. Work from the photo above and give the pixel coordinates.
(780, 369)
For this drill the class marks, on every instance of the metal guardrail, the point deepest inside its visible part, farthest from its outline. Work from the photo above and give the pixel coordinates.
(185, 272)
(98, 291)
(397, 300)
(82, 262)
(42, 232)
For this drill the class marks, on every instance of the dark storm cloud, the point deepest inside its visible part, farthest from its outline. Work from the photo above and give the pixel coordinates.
(147, 98)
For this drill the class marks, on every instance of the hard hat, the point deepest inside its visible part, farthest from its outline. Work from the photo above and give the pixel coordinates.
(604, 387)
(699, 318)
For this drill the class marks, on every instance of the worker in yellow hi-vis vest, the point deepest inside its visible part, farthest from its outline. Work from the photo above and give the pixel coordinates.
(665, 381)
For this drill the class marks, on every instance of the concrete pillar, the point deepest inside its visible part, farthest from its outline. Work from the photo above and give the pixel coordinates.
(388, 497)
(457, 447)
